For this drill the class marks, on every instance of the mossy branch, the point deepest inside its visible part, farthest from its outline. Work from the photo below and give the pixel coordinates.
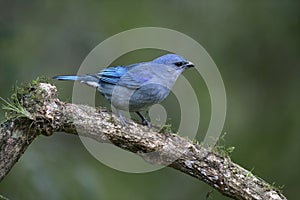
(37, 110)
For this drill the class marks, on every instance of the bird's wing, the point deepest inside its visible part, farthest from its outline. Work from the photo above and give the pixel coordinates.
(112, 75)
(131, 76)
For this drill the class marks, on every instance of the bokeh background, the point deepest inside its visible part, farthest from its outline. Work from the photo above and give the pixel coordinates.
(255, 44)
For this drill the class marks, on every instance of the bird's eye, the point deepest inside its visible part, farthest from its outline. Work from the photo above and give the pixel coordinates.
(178, 64)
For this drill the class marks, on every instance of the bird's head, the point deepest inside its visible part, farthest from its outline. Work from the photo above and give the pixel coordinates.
(174, 60)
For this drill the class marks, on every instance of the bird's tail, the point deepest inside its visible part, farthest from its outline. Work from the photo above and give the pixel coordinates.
(66, 78)
(88, 79)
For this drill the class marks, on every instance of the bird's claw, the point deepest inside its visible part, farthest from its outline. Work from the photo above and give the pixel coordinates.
(146, 123)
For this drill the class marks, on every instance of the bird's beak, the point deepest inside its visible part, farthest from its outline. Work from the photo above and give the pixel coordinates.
(188, 65)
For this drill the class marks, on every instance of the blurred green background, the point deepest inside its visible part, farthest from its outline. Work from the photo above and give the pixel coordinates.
(256, 46)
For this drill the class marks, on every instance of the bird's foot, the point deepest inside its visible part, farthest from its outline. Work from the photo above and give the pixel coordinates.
(123, 121)
(146, 123)
(144, 120)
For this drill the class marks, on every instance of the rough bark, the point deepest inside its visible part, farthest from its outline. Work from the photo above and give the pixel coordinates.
(49, 115)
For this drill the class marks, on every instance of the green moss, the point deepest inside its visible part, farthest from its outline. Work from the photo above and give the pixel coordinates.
(275, 188)
(223, 151)
(24, 100)
(14, 109)
(250, 174)
(167, 128)
(196, 142)
(111, 120)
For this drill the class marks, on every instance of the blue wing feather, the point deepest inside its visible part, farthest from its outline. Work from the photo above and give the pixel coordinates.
(112, 75)
(131, 77)
(126, 76)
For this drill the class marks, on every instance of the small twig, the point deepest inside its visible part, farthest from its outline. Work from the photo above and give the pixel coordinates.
(3, 197)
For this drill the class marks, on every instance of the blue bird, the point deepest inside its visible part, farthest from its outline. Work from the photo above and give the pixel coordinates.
(137, 86)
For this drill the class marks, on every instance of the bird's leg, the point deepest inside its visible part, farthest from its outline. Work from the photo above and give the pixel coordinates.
(122, 119)
(144, 120)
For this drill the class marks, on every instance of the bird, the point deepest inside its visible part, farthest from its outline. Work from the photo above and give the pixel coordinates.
(135, 87)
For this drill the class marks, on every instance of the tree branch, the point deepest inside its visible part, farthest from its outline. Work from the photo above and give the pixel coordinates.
(47, 114)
